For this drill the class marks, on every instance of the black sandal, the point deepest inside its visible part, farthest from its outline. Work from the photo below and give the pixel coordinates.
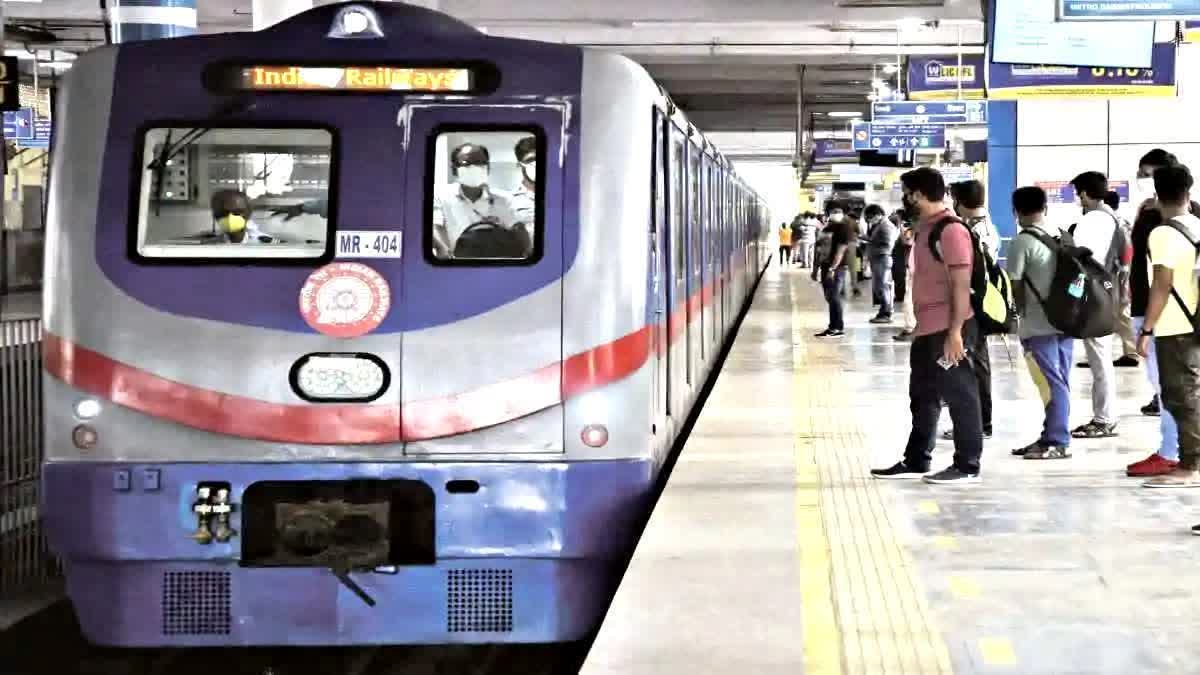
(1094, 429)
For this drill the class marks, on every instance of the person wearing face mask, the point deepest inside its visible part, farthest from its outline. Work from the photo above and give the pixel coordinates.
(231, 215)
(469, 200)
(833, 271)
(524, 204)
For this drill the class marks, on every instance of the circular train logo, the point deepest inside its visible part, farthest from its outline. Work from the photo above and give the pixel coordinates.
(345, 300)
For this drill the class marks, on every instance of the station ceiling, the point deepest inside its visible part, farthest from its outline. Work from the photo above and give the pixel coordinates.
(733, 65)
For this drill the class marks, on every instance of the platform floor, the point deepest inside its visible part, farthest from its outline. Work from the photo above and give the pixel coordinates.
(772, 551)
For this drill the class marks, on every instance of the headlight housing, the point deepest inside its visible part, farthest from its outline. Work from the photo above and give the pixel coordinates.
(340, 378)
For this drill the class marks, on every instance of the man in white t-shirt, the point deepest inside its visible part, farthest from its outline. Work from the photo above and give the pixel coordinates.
(1173, 297)
(1095, 232)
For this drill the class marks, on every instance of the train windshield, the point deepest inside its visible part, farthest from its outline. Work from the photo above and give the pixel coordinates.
(210, 193)
(485, 196)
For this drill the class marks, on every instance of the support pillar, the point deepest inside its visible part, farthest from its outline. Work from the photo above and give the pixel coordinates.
(267, 13)
(134, 20)
(801, 126)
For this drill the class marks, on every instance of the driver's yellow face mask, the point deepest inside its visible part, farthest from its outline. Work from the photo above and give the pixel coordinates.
(232, 223)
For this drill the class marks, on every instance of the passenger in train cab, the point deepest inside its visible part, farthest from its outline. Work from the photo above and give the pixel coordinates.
(940, 366)
(1049, 353)
(469, 200)
(1170, 319)
(1124, 318)
(785, 244)
(1149, 217)
(231, 213)
(524, 198)
(843, 235)
(1097, 231)
(881, 239)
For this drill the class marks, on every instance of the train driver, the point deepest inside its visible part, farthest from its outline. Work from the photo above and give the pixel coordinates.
(231, 213)
(468, 200)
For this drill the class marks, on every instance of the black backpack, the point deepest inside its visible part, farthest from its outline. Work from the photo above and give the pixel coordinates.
(1193, 315)
(991, 292)
(1083, 293)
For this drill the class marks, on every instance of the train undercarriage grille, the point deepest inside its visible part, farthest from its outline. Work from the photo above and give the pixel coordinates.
(479, 601)
(196, 603)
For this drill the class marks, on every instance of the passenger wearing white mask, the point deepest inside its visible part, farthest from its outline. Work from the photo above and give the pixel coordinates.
(468, 200)
(524, 202)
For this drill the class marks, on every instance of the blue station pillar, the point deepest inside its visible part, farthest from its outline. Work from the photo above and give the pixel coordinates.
(134, 20)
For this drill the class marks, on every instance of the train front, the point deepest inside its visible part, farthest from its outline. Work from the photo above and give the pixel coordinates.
(304, 357)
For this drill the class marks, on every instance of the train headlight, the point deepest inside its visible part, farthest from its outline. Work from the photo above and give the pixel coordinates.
(356, 21)
(87, 409)
(340, 377)
(594, 435)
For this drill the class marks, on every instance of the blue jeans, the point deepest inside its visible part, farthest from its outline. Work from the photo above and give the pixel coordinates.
(1050, 359)
(1169, 446)
(834, 287)
(881, 283)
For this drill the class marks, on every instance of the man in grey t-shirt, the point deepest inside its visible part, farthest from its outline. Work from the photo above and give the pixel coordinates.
(1031, 266)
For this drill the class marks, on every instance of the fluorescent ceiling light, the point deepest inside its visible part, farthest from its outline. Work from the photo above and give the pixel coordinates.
(844, 113)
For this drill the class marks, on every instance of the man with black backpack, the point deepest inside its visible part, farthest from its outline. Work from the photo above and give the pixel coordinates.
(941, 369)
(1099, 231)
(1171, 320)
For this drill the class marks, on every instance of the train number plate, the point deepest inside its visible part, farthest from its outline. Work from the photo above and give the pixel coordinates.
(369, 244)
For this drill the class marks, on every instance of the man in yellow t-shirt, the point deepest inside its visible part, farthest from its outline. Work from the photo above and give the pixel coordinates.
(785, 245)
(1169, 315)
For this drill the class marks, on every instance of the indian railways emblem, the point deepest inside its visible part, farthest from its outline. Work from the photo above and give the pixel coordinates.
(345, 299)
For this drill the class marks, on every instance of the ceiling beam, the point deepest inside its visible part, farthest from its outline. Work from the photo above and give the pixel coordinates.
(691, 11)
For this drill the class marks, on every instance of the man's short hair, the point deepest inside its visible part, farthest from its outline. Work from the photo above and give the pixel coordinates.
(470, 148)
(969, 193)
(1091, 183)
(525, 147)
(832, 206)
(1172, 183)
(1158, 157)
(1029, 200)
(927, 181)
(1112, 200)
(873, 211)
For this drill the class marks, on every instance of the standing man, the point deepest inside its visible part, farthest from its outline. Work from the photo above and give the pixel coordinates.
(902, 276)
(785, 245)
(881, 239)
(1169, 319)
(1096, 232)
(940, 367)
(1124, 318)
(1049, 353)
(842, 234)
(969, 197)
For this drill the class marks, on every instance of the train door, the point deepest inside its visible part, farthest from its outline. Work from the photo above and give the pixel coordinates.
(659, 281)
(482, 265)
(695, 326)
(712, 256)
(676, 275)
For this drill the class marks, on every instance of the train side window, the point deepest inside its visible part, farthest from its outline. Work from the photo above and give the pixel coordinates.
(209, 194)
(484, 199)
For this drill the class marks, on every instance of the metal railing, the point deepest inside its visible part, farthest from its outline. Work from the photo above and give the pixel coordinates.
(26, 565)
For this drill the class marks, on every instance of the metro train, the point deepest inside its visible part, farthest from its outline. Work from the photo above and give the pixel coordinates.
(301, 385)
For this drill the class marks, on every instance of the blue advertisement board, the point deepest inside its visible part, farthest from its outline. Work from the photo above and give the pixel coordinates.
(830, 150)
(1117, 10)
(27, 129)
(936, 78)
(1010, 81)
(887, 136)
(930, 112)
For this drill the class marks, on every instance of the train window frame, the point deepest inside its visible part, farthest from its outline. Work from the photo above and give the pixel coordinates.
(133, 226)
(539, 197)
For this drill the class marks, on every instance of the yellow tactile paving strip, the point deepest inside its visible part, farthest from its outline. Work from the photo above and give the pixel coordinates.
(864, 609)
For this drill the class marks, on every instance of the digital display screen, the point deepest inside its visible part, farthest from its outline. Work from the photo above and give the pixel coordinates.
(1026, 32)
(364, 78)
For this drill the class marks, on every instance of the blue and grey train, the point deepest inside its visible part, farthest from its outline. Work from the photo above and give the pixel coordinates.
(370, 328)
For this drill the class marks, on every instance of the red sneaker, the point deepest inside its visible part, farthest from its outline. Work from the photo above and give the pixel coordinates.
(1154, 465)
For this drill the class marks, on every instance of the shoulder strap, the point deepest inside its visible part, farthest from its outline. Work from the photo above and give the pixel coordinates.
(935, 235)
(1050, 243)
(1178, 227)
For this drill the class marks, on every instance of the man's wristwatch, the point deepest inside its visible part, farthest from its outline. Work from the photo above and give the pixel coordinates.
(1147, 332)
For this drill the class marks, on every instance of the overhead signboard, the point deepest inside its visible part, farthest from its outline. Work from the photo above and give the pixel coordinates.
(1018, 82)
(930, 112)
(937, 78)
(888, 136)
(10, 91)
(831, 150)
(18, 125)
(1117, 10)
(861, 135)
(356, 78)
(1027, 32)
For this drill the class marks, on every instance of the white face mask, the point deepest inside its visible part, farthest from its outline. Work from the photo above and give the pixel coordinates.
(1145, 186)
(473, 176)
(836, 217)
(530, 171)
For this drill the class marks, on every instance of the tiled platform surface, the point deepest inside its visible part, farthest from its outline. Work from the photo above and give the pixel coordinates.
(772, 551)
